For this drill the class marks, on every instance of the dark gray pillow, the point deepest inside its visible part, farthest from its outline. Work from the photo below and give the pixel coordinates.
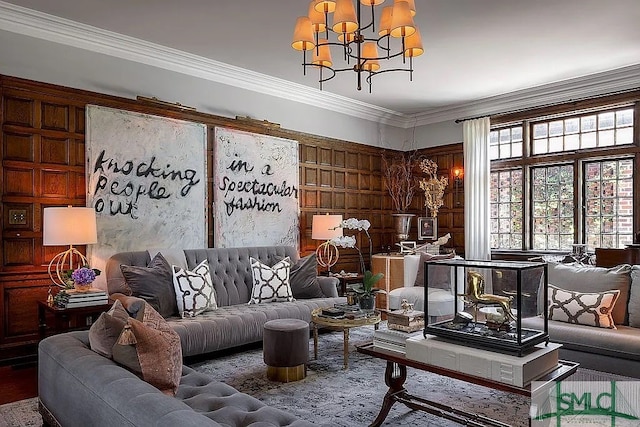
(154, 284)
(304, 278)
(439, 275)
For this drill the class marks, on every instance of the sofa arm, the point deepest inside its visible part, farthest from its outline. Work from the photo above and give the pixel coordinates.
(329, 286)
(132, 304)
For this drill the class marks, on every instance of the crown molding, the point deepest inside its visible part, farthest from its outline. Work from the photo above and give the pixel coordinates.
(619, 79)
(44, 26)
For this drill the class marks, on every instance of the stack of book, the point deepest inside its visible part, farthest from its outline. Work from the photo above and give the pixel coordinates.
(392, 339)
(73, 298)
(407, 321)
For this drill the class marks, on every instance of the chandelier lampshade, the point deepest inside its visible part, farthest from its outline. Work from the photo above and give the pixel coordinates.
(412, 6)
(344, 18)
(303, 34)
(370, 55)
(322, 55)
(373, 38)
(325, 6)
(348, 36)
(318, 19)
(385, 21)
(413, 45)
(402, 24)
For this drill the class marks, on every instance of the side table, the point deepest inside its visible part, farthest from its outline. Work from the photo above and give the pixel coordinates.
(67, 319)
(347, 279)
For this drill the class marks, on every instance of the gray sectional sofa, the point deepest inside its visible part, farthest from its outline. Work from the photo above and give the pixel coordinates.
(78, 387)
(610, 350)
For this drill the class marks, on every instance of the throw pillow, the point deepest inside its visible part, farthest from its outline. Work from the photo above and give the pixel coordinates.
(439, 276)
(194, 290)
(582, 278)
(105, 331)
(304, 278)
(270, 284)
(583, 308)
(154, 284)
(151, 349)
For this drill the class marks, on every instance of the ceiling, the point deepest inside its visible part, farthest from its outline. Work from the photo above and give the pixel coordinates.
(474, 49)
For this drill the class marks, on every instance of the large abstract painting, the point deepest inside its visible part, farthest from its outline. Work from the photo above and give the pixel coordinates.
(146, 179)
(255, 190)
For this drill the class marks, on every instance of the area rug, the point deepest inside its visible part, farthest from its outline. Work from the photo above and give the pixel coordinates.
(333, 397)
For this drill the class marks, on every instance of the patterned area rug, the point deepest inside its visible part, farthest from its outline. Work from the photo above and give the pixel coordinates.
(331, 396)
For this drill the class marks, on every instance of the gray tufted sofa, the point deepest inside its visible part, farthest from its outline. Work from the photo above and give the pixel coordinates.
(235, 322)
(78, 387)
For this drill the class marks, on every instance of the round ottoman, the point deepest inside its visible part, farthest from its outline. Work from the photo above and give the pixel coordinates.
(285, 346)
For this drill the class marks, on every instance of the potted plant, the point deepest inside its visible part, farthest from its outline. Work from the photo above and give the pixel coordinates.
(366, 291)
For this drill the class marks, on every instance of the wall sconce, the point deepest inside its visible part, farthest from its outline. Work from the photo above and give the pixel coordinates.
(64, 226)
(457, 183)
(326, 227)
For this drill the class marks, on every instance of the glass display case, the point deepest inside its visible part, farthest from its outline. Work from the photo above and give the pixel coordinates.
(491, 300)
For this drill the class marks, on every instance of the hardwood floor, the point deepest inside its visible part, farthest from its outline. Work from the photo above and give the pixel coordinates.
(18, 381)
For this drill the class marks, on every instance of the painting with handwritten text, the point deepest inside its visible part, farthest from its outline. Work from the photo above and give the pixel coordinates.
(255, 190)
(146, 179)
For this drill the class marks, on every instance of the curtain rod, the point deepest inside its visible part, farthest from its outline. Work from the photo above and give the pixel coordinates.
(554, 104)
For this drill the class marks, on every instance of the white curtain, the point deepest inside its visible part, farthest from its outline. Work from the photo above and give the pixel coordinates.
(477, 215)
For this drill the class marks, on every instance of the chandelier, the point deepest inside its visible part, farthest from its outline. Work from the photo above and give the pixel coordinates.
(364, 46)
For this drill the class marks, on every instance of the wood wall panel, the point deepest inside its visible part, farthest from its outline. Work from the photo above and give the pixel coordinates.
(55, 117)
(43, 164)
(18, 147)
(54, 150)
(18, 182)
(18, 111)
(18, 251)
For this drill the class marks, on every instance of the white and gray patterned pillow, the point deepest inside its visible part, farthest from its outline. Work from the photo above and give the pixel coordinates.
(194, 290)
(583, 308)
(270, 284)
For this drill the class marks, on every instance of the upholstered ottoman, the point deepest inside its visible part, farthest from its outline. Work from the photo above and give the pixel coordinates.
(285, 345)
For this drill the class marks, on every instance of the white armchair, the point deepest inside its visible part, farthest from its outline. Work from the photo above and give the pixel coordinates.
(440, 300)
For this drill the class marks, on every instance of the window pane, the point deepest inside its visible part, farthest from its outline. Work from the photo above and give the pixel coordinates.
(572, 142)
(556, 128)
(540, 146)
(606, 120)
(609, 203)
(606, 138)
(505, 143)
(553, 207)
(572, 126)
(587, 123)
(588, 140)
(624, 117)
(624, 136)
(540, 131)
(506, 214)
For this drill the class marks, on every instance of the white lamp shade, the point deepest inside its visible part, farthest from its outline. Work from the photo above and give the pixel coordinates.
(69, 225)
(326, 227)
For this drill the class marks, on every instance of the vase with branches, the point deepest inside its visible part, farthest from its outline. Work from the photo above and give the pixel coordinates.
(400, 180)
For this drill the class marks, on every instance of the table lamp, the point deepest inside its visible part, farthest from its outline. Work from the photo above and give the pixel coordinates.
(326, 227)
(71, 225)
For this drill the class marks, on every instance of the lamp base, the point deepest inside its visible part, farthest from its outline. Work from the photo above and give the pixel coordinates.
(59, 262)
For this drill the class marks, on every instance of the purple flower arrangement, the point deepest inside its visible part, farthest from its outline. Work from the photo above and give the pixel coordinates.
(83, 276)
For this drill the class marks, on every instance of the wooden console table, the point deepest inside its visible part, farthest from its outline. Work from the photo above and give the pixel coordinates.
(612, 257)
(396, 374)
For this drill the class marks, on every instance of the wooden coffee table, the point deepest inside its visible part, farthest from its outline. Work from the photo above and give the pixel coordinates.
(344, 324)
(396, 374)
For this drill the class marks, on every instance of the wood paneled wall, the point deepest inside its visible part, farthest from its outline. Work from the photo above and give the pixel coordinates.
(43, 164)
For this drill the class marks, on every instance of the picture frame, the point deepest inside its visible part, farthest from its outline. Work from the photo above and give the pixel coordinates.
(407, 247)
(427, 228)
